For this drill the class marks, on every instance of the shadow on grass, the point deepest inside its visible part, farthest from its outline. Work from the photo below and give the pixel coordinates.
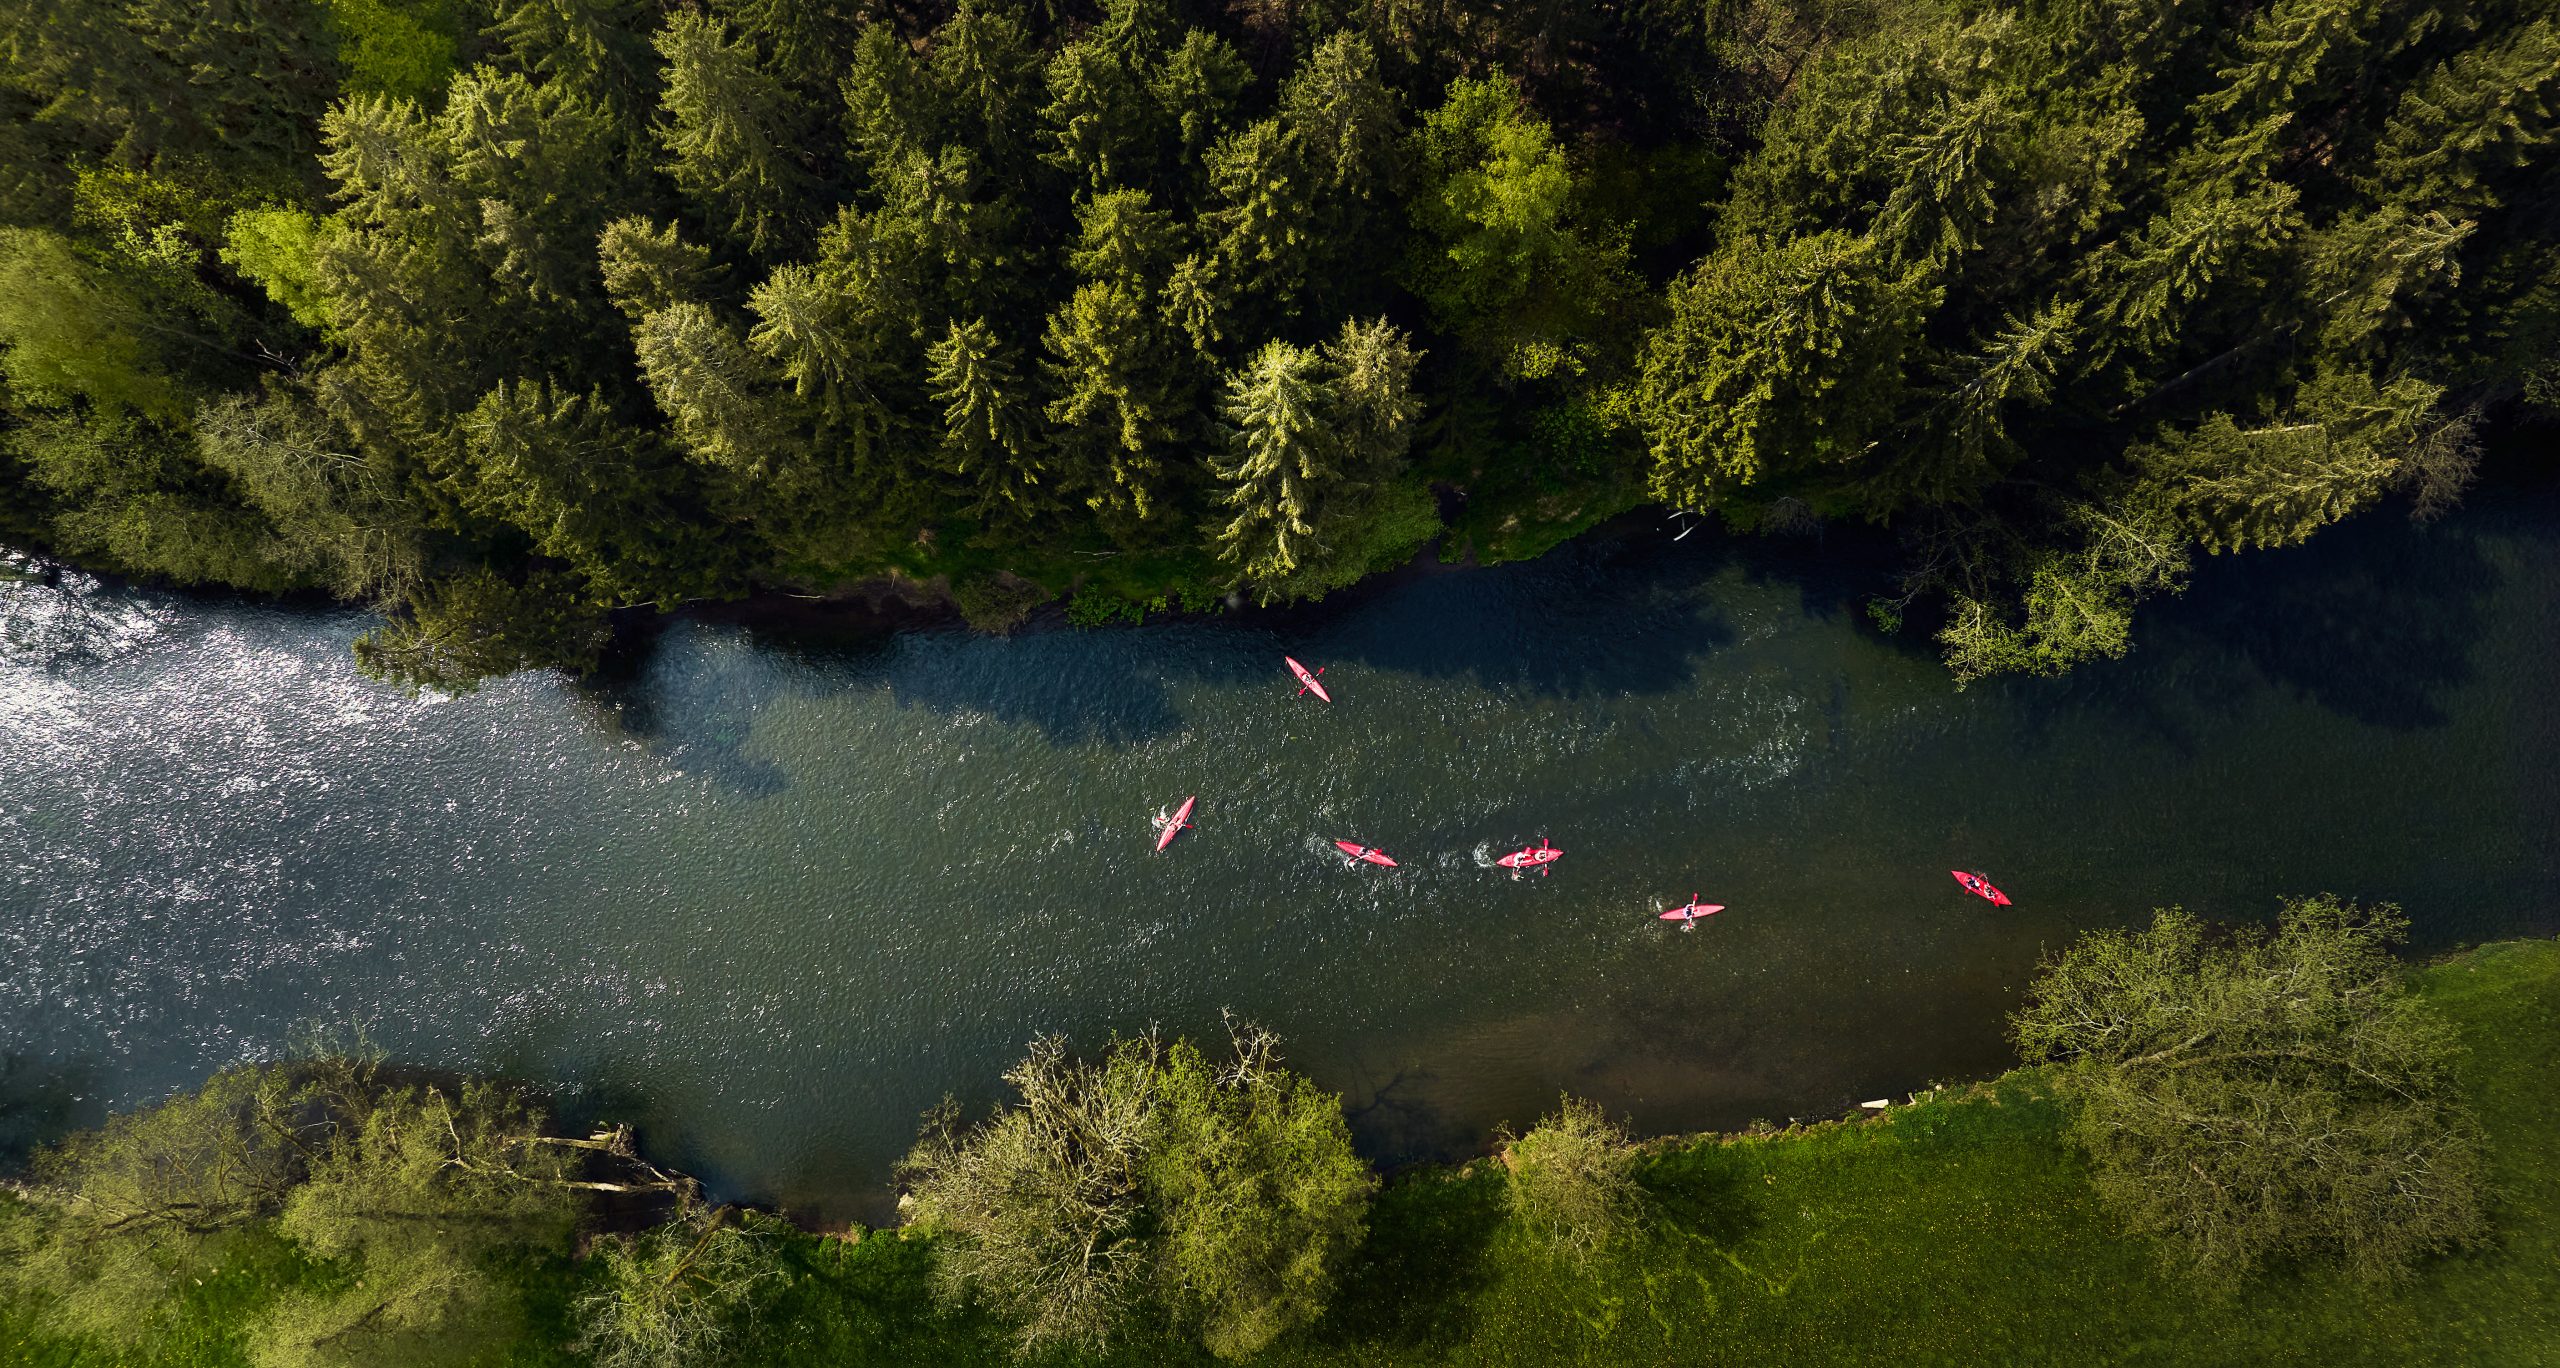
(1416, 1279)
(1703, 1190)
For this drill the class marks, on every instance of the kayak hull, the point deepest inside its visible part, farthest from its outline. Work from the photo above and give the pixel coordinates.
(1370, 854)
(1693, 909)
(1173, 828)
(1531, 858)
(1979, 887)
(1307, 678)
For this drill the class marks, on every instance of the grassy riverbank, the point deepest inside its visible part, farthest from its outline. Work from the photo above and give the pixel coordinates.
(1961, 1230)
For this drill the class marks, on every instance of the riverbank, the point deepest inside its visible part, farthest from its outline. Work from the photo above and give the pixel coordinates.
(1960, 1230)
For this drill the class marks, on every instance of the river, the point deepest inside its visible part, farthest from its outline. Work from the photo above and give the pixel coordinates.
(772, 897)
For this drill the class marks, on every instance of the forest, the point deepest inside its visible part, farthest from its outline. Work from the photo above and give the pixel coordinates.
(521, 319)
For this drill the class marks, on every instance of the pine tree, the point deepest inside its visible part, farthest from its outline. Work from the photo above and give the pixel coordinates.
(716, 391)
(2144, 286)
(892, 106)
(1262, 222)
(1945, 177)
(2334, 452)
(2478, 116)
(990, 423)
(1196, 92)
(597, 50)
(1961, 441)
(2367, 271)
(648, 268)
(1372, 366)
(1282, 453)
(1117, 401)
(1123, 238)
(725, 134)
(1777, 360)
(988, 71)
(803, 328)
(1099, 118)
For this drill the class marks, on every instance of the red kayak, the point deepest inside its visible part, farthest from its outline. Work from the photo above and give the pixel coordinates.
(1688, 916)
(1980, 887)
(1536, 857)
(1179, 820)
(1307, 680)
(1358, 851)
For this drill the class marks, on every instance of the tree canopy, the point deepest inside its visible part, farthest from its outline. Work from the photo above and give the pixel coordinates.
(600, 308)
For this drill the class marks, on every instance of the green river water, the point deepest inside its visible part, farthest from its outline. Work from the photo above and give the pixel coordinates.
(770, 896)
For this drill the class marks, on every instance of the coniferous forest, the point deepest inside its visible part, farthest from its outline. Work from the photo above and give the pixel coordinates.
(514, 317)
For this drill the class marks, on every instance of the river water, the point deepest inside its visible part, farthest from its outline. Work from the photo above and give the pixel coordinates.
(772, 898)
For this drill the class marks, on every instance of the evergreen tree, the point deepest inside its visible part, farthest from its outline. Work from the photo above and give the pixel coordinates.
(1281, 456)
(1117, 401)
(1501, 259)
(2483, 113)
(647, 268)
(727, 133)
(2337, 449)
(1778, 360)
(716, 392)
(990, 432)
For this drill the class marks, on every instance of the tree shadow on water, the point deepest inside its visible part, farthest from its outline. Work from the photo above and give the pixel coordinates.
(2376, 621)
(41, 1102)
(1593, 618)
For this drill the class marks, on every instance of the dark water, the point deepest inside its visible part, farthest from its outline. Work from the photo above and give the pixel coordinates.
(771, 900)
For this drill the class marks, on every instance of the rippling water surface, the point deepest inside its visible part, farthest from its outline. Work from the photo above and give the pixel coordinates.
(772, 899)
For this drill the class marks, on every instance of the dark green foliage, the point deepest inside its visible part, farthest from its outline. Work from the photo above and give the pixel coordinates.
(661, 302)
(2279, 1098)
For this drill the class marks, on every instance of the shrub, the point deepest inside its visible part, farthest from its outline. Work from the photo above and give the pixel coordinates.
(1572, 1180)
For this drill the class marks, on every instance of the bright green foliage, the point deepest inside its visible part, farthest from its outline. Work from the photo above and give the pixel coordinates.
(726, 134)
(1572, 1180)
(2279, 1098)
(1778, 360)
(273, 247)
(418, 1197)
(1501, 259)
(1283, 459)
(2042, 609)
(1041, 1206)
(1224, 1191)
(678, 1293)
(70, 332)
(1258, 1194)
(394, 47)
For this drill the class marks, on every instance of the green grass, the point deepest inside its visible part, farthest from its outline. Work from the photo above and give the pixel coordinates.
(1958, 1231)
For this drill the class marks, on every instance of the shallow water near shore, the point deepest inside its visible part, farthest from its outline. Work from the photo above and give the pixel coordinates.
(770, 898)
